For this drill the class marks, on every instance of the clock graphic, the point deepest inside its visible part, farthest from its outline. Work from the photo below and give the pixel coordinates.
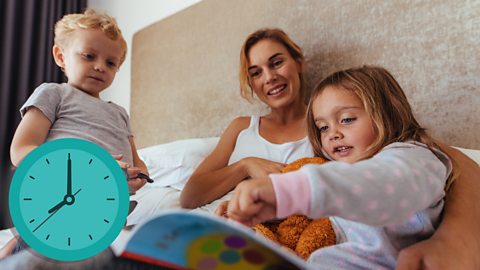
(69, 199)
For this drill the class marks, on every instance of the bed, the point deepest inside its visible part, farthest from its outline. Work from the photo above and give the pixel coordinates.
(185, 89)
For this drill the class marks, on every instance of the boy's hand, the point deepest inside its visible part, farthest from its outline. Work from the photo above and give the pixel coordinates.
(134, 183)
(253, 202)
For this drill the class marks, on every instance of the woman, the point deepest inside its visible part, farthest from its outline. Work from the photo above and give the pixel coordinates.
(271, 66)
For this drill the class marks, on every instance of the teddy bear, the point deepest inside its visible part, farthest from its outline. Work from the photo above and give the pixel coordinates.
(298, 232)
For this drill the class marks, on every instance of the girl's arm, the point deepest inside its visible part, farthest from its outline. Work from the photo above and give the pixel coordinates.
(456, 243)
(214, 177)
(31, 132)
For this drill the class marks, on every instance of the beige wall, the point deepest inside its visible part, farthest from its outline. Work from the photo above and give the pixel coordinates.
(184, 68)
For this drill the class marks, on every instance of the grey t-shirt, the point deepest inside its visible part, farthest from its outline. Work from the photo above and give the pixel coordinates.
(75, 114)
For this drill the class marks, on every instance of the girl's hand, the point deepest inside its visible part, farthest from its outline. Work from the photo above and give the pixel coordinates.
(261, 168)
(253, 202)
(222, 209)
(134, 183)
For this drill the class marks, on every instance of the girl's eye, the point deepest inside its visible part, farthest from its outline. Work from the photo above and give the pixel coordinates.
(348, 120)
(322, 129)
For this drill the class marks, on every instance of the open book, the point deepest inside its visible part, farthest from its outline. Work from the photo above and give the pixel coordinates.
(181, 239)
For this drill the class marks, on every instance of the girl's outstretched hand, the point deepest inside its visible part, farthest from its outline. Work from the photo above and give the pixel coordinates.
(222, 209)
(253, 202)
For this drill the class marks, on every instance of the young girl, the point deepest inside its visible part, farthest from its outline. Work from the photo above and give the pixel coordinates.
(384, 190)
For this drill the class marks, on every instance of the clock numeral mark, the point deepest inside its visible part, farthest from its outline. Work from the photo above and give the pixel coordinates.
(90, 162)
(48, 236)
(110, 199)
(106, 177)
(106, 221)
(27, 199)
(90, 236)
(68, 241)
(31, 221)
(31, 177)
(48, 162)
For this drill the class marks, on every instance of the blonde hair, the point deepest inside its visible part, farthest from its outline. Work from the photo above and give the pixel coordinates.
(386, 103)
(90, 19)
(276, 35)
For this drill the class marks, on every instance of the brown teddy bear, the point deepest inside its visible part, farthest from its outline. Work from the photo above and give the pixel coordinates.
(298, 232)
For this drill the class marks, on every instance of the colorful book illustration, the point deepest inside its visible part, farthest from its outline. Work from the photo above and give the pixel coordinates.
(180, 239)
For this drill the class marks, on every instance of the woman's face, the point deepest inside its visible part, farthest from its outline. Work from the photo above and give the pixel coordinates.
(274, 74)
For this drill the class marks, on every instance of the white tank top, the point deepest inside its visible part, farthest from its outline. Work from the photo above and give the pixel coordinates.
(251, 144)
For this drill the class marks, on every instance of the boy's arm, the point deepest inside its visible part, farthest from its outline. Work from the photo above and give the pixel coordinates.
(31, 132)
(135, 184)
(137, 161)
(455, 244)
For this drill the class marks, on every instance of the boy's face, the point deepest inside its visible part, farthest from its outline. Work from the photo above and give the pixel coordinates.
(90, 60)
(346, 129)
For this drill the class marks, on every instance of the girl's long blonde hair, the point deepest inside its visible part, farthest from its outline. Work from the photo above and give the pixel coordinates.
(386, 103)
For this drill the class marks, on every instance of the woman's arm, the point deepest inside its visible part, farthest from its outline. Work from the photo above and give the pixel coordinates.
(214, 177)
(31, 132)
(456, 243)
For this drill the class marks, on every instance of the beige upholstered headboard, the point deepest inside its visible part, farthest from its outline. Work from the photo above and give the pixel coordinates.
(185, 67)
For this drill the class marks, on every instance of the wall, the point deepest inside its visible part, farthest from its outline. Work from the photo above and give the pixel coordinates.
(131, 17)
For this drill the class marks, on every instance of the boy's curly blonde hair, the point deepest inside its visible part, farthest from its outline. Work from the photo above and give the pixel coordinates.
(90, 19)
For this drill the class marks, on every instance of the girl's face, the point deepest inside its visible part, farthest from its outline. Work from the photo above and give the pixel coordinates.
(90, 60)
(345, 127)
(274, 74)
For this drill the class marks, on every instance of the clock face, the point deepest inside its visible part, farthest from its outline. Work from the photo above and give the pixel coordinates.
(69, 199)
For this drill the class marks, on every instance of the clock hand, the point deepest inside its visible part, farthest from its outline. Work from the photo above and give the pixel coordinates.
(67, 200)
(69, 176)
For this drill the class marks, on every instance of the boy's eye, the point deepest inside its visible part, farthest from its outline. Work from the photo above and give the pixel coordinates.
(348, 120)
(88, 56)
(111, 64)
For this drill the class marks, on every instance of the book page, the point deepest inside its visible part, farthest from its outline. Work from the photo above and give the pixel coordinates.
(185, 239)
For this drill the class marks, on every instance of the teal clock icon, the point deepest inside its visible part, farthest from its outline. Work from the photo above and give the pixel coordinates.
(68, 199)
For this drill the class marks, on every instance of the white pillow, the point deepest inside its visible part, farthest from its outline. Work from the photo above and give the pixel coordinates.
(171, 164)
(471, 153)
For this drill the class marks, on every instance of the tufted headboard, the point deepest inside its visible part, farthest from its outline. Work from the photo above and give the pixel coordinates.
(185, 67)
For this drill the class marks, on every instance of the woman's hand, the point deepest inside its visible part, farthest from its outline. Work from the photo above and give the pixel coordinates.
(253, 202)
(261, 168)
(134, 183)
(438, 253)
